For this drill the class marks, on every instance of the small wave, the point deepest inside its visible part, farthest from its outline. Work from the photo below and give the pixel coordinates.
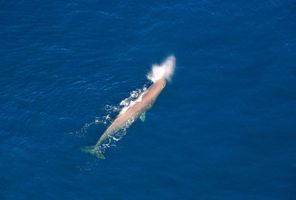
(88, 125)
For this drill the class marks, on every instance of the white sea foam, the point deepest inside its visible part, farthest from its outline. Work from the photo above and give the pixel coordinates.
(136, 96)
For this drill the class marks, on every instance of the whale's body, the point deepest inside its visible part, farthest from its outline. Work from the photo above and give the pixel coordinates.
(135, 111)
(123, 119)
(158, 75)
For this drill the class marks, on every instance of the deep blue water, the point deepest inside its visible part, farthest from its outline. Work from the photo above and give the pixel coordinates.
(224, 128)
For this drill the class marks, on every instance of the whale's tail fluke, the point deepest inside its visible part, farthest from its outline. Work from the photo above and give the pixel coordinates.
(93, 150)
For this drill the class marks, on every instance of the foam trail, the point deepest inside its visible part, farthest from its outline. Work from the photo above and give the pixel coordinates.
(164, 70)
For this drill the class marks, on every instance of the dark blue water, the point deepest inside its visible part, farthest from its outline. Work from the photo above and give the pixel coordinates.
(224, 128)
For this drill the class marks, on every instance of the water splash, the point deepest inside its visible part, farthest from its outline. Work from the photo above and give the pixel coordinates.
(135, 96)
(164, 70)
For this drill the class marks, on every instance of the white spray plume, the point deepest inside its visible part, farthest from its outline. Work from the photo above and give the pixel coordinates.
(164, 70)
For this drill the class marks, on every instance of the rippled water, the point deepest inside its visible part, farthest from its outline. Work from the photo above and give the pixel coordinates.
(224, 128)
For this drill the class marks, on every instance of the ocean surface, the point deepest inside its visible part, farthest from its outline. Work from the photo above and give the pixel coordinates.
(223, 128)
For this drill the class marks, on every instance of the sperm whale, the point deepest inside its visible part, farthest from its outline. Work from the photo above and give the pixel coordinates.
(159, 75)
